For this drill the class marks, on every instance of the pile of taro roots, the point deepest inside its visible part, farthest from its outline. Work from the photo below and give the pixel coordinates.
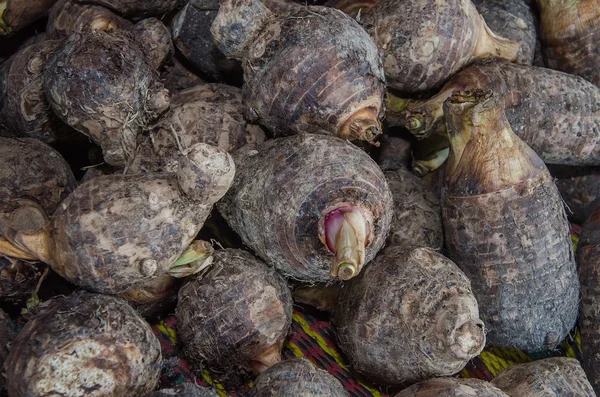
(409, 167)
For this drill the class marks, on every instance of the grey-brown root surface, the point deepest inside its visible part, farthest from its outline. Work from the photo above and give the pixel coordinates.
(297, 377)
(581, 194)
(185, 390)
(551, 377)
(81, 344)
(138, 9)
(102, 85)
(235, 317)
(6, 337)
(17, 14)
(408, 316)
(68, 16)
(315, 175)
(452, 387)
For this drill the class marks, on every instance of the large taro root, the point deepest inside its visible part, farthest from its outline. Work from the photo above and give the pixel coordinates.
(235, 317)
(453, 387)
(116, 233)
(425, 42)
(512, 19)
(570, 31)
(209, 113)
(102, 85)
(24, 110)
(17, 14)
(185, 390)
(306, 69)
(138, 8)
(32, 170)
(6, 336)
(550, 377)
(68, 16)
(556, 114)
(297, 377)
(408, 316)
(505, 226)
(315, 207)
(84, 345)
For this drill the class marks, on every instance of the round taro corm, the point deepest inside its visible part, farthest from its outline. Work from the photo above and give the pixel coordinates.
(235, 317)
(84, 345)
(297, 377)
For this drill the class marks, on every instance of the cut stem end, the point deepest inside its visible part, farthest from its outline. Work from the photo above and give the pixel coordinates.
(197, 257)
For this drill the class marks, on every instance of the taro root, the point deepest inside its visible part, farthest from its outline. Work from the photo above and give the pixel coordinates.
(185, 390)
(408, 316)
(6, 336)
(177, 77)
(102, 85)
(505, 226)
(192, 36)
(297, 377)
(570, 31)
(17, 14)
(581, 194)
(235, 317)
(84, 345)
(589, 309)
(417, 213)
(33, 170)
(155, 39)
(157, 297)
(306, 70)
(511, 19)
(453, 387)
(425, 42)
(430, 153)
(137, 8)
(315, 207)
(68, 16)
(556, 114)
(549, 377)
(24, 110)
(116, 233)
(209, 113)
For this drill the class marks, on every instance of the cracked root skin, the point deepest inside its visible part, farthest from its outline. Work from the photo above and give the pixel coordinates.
(233, 314)
(453, 387)
(208, 113)
(408, 316)
(137, 8)
(550, 377)
(102, 85)
(6, 337)
(317, 174)
(185, 390)
(297, 377)
(84, 345)
(33, 170)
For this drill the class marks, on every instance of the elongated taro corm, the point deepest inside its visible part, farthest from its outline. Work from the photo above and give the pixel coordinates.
(505, 226)
(452, 387)
(208, 113)
(425, 42)
(185, 390)
(137, 8)
(235, 317)
(84, 345)
(306, 69)
(570, 33)
(6, 337)
(102, 85)
(68, 16)
(556, 114)
(115, 233)
(17, 14)
(408, 316)
(549, 377)
(297, 377)
(315, 207)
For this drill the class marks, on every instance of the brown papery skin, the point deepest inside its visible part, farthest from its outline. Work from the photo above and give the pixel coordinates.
(20, 13)
(208, 113)
(297, 377)
(408, 316)
(24, 110)
(506, 228)
(234, 314)
(452, 387)
(425, 42)
(570, 33)
(33, 170)
(556, 114)
(549, 377)
(513, 20)
(307, 70)
(85, 85)
(589, 308)
(84, 345)
(67, 16)
(185, 390)
(6, 337)
(137, 8)
(282, 192)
